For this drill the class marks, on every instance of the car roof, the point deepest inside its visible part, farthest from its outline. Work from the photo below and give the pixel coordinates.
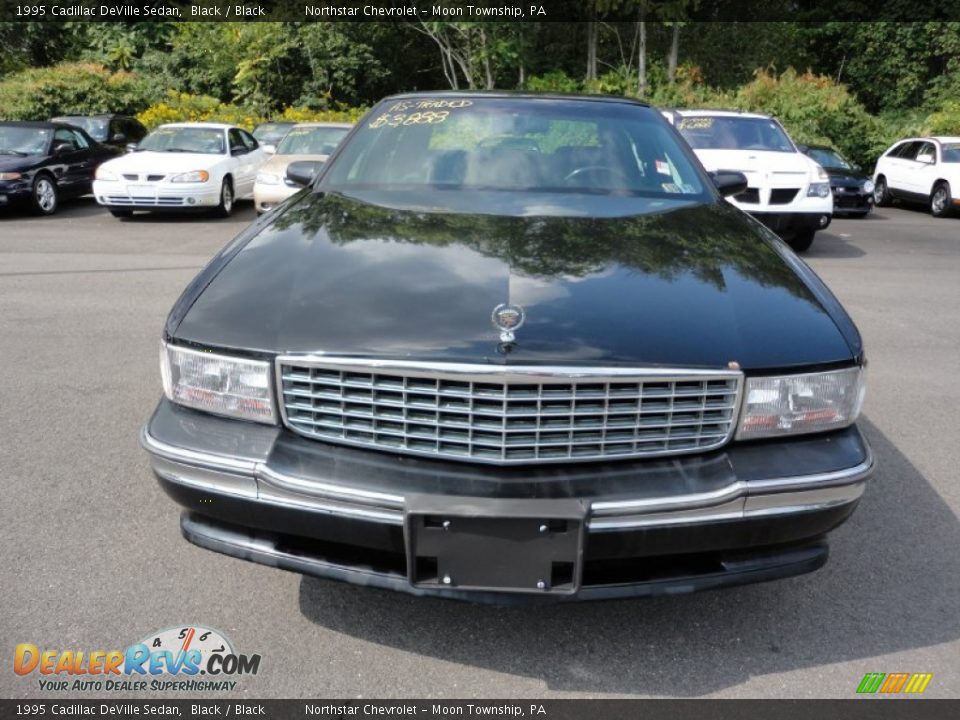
(515, 95)
(720, 113)
(345, 125)
(37, 124)
(208, 125)
(93, 115)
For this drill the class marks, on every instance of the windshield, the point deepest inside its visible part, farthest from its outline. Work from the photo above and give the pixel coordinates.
(705, 132)
(311, 140)
(829, 158)
(271, 132)
(516, 145)
(24, 140)
(185, 139)
(951, 152)
(95, 127)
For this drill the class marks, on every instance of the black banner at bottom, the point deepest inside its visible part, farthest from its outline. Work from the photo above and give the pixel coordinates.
(853, 709)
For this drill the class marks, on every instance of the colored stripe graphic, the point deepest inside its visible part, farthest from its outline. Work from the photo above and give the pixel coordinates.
(892, 683)
(918, 682)
(871, 682)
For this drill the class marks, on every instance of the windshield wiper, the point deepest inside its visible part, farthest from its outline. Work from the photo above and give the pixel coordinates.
(13, 152)
(180, 150)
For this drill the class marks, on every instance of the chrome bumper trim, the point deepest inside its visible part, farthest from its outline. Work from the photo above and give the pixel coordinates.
(253, 480)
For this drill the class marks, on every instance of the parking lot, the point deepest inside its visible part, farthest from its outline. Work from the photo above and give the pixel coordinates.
(93, 559)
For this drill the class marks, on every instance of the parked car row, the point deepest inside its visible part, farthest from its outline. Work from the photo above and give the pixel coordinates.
(178, 166)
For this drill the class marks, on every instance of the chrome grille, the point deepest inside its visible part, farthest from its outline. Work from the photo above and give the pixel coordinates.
(508, 415)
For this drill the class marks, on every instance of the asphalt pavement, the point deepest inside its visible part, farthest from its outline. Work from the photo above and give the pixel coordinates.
(91, 556)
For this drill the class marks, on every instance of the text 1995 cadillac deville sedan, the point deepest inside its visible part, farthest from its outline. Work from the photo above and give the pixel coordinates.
(507, 347)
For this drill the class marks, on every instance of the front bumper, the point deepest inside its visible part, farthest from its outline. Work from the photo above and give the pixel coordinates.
(851, 201)
(156, 196)
(266, 197)
(741, 514)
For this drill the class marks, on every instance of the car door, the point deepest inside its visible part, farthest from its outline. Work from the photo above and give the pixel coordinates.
(923, 170)
(900, 166)
(71, 162)
(243, 161)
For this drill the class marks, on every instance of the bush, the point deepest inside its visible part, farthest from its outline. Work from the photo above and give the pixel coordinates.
(184, 107)
(71, 89)
(553, 81)
(817, 109)
(945, 121)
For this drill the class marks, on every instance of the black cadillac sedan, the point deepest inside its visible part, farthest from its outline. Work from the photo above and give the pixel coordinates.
(509, 347)
(852, 188)
(42, 163)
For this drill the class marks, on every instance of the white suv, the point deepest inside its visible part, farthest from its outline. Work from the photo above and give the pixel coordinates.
(925, 170)
(786, 190)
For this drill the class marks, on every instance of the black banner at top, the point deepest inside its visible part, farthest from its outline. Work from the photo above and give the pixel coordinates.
(470, 10)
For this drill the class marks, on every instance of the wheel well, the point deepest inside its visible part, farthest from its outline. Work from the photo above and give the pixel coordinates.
(938, 182)
(228, 178)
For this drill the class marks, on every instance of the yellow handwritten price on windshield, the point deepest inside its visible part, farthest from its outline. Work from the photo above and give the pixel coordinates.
(417, 118)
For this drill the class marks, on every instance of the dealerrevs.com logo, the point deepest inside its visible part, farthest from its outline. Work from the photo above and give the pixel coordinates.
(188, 658)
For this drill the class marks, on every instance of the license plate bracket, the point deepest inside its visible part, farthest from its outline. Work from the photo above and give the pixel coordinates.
(520, 546)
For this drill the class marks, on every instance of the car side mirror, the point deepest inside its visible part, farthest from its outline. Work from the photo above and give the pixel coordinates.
(239, 150)
(118, 138)
(729, 182)
(303, 172)
(269, 149)
(131, 147)
(926, 158)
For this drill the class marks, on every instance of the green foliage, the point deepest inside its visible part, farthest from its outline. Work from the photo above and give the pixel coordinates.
(553, 81)
(71, 88)
(945, 121)
(816, 109)
(184, 107)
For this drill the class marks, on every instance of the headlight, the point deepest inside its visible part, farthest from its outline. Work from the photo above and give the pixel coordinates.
(10, 176)
(822, 174)
(197, 176)
(218, 384)
(265, 178)
(104, 174)
(820, 190)
(797, 404)
(868, 186)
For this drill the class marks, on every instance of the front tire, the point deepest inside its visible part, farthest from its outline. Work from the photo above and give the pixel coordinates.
(45, 197)
(225, 208)
(802, 240)
(881, 193)
(940, 200)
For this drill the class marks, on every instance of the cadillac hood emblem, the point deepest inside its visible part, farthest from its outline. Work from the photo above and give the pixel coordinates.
(507, 319)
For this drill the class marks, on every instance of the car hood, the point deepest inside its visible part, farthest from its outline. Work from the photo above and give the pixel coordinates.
(700, 285)
(839, 176)
(278, 163)
(15, 163)
(160, 162)
(758, 162)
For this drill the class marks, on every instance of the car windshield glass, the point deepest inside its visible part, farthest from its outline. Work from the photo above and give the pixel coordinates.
(184, 139)
(95, 127)
(311, 141)
(517, 146)
(951, 152)
(271, 132)
(705, 132)
(829, 158)
(24, 140)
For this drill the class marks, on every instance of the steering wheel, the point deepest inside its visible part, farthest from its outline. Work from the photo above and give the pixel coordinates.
(613, 173)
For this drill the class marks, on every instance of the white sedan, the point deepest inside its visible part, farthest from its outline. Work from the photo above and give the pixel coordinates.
(182, 166)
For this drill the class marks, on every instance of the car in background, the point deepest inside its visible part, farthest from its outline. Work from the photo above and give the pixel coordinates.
(508, 346)
(269, 134)
(42, 163)
(787, 191)
(182, 166)
(306, 142)
(852, 188)
(108, 128)
(920, 170)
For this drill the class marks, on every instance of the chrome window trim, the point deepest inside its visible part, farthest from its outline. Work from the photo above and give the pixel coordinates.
(475, 372)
